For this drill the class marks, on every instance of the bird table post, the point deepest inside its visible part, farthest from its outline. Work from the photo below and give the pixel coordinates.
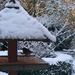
(12, 54)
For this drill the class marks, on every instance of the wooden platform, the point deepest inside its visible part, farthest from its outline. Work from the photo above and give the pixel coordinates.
(22, 63)
(43, 40)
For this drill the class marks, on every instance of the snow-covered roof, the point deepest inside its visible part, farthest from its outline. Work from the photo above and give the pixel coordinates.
(18, 24)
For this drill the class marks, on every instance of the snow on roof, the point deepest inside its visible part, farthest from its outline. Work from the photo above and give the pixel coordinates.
(18, 24)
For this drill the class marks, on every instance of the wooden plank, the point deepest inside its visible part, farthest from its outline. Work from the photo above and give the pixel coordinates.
(12, 55)
(12, 73)
(22, 67)
(44, 40)
(23, 63)
(22, 60)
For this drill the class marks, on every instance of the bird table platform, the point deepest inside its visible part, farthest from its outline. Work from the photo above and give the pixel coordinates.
(14, 63)
(23, 63)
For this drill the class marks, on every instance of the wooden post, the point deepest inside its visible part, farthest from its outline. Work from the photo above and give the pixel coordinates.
(12, 51)
(12, 73)
(12, 54)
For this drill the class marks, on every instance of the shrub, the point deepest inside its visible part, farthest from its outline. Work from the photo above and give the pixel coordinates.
(61, 68)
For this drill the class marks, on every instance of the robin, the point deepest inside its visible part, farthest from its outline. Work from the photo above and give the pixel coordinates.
(26, 51)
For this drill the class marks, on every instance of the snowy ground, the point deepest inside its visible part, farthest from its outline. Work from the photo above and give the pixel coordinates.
(2, 73)
(60, 57)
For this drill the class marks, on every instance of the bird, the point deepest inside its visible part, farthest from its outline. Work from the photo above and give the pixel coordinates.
(26, 51)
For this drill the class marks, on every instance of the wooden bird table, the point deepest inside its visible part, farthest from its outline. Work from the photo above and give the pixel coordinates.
(13, 63)
(10, 28)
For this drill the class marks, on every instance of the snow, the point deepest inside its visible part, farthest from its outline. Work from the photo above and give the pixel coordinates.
(5, 53)
(18, 24)
(60, 57)
(3, 73)
(73, 74)
(63, 58)
(12, 4)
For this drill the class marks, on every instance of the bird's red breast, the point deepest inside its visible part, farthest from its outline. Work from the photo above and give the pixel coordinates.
(26, 51)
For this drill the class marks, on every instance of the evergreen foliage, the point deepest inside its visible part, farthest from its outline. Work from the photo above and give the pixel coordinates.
(4, 46)
(61, 68)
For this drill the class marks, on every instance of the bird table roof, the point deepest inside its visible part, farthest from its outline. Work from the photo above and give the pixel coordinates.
(18, 24)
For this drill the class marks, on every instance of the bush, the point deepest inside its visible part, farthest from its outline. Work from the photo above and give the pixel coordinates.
(62, 68)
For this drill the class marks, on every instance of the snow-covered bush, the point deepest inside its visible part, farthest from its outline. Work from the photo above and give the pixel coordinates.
(58, 17)
(62, 68)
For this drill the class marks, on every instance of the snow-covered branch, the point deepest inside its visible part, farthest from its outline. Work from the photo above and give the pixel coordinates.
(66, 23)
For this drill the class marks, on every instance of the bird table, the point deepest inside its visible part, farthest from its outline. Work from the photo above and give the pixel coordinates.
(13, 63)
(17, 25)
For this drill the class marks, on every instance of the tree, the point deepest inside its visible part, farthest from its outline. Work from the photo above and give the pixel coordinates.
(58, 17)
(2, 3)
(29, 6)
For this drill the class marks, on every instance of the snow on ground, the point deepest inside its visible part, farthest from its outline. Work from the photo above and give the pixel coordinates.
(3, 73)
(5, 53)
(18, 24)
(60, 57)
